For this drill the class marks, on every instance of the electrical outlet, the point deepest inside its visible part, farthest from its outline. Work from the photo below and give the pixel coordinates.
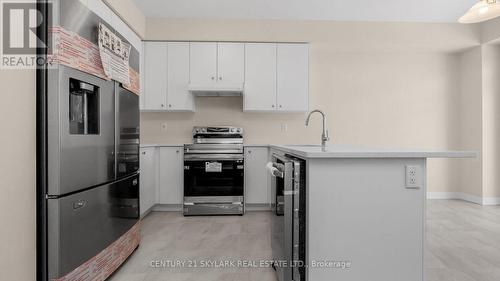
(164, 127)
(284, 127)
(413, 177)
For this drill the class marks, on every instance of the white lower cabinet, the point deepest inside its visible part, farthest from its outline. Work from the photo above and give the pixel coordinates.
(148, 179)
(257, 180)
(171, 175)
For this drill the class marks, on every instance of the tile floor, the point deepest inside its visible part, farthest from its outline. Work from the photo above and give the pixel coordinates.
(168, 236)
(463, 244)
(463, 241)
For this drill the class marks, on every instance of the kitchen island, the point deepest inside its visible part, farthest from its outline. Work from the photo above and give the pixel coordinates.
(362, 210)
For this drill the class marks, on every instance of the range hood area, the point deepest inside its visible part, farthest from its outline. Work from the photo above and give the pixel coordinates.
(235, 90)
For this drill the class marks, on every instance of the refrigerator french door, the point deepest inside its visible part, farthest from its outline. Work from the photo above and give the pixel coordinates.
(288, 228)
(93, 161)
(127, 132)
(81, 131)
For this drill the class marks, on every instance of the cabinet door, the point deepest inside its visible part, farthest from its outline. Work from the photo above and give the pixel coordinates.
(293, 77)
(260, 77)
(231, 64)
(257, 189)
(203, 63)
(171, 175)
(178, 96)
(155, 75)
(148, 179)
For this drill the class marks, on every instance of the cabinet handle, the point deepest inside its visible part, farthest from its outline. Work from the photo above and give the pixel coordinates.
(144, 153)
(162, 105)
(249, 152)
(169, 105)
(273, 105)
(281, 106)
(213, 78)
(177, 151)
(220, 78)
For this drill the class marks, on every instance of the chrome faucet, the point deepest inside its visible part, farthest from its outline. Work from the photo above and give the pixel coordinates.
(324, 136)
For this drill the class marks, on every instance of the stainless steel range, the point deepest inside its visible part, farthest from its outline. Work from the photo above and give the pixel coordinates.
(214, 171)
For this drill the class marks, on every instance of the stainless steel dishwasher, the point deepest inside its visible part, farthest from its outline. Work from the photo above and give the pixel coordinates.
(289, 217)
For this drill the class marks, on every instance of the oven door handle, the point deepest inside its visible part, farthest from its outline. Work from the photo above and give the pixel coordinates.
(212, 157)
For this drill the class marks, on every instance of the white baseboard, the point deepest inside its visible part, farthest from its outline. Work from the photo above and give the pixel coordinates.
(167, 208)
(485, 201)
(491, 201)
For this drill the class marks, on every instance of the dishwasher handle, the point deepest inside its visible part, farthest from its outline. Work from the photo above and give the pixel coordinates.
(274, 169)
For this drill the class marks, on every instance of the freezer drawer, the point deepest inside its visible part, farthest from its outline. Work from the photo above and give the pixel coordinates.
(83, 224)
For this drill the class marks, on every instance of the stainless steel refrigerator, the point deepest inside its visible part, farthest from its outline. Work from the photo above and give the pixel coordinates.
(87, 157)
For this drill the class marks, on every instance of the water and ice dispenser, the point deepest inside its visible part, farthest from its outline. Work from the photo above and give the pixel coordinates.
(83, 108)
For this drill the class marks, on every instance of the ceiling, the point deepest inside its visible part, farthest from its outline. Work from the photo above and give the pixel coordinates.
(339, 10)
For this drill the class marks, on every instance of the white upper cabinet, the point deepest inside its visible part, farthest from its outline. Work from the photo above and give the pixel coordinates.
(155, 75)
(260, 77)
(178, 95)
(293, 77)
(217, 66)
(231, 64)
(273, 77)
(166, 77)
(203, 64)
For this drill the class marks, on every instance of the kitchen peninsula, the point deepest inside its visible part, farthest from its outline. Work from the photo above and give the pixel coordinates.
(363, 207)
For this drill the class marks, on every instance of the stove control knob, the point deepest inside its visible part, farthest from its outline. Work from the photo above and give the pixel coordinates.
(232, 130)
(204, 130)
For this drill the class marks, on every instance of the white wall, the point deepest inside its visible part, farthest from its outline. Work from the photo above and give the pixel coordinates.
(380, 84)
(491, 120)
(17, 166)
(470, 118)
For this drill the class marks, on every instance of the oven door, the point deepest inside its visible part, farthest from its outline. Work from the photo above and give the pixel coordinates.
(213, 175)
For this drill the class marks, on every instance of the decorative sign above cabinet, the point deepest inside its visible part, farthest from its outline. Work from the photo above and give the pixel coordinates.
(271, 77)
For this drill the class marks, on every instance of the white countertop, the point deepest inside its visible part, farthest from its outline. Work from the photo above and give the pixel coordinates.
(349, 151)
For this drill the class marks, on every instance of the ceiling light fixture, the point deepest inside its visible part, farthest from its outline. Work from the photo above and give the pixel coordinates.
(482, 11)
